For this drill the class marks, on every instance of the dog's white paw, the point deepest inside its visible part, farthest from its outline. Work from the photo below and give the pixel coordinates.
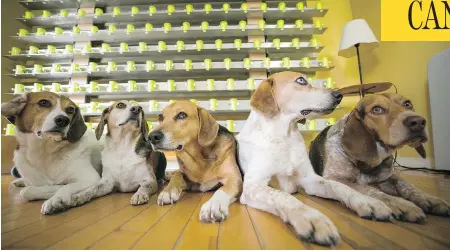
(56, 204)
(17, 183)
(214, 210)
(370, 208)
(405, 210)
(169, 196)
(309, 224)
(139, 198)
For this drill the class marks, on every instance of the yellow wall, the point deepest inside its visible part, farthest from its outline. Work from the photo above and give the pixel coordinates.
(402, 63)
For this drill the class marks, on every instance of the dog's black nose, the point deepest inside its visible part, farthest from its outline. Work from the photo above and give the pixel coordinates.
(337, 95)
(136, 109)
(415, 123)
(61, 121)
(156, 137)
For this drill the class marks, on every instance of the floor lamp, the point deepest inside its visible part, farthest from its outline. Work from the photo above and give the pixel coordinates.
(357, 37)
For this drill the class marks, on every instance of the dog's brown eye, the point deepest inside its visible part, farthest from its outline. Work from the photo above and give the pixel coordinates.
(378, 110)
(408, 104)
(301, 80)
(160, 117)
(181, 115)
(121, 105)
(70, 110)
(44, 103)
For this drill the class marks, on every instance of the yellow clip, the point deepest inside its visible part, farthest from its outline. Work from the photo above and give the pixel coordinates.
(208, 64)
(266, 63)
(204, 26)
(105, 48)
(300, 6)
(180, 45)
(223, 25)
(98, 12)
(191, 85)
(151, 85)
(282, 6)
(226, 7)
(247, 63)
(299, 24)
(134, 11)
(148, 27)
(116, 11)
(257, 44)
(296, 43)
(230, 84)
(286, 61)
(111, 28)
(186, 26)
(280, 24)
(244, 7)
(131, 66)
(64, 13)
(123, 48)
(151, 10)
(169, 65)
(218, 44)
(81, 13)
(238, 43)
(188, 64)
(207, 8)
(306, 62)
(262, 24)
(94, 29)
(227, 63)
(325, 62)
(40, 31)
(276, 43)
(314, 42)
(319, 6)
(210, 84)
(58, 31)
(167, 27)
(20, 69)
(171, 85)
(250, 83)
(199, 45)
(318, 24)
(15, 51)
(22, 32)
(46, 13)
(189, 8)
(28, 15)
(263, 7)
(170, 9)
(161, 46)
(149, 65)
(243, 25)
(330, 83)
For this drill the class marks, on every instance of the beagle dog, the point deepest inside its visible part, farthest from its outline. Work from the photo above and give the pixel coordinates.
(358, 151)
(129, 162)
(273, 156)
(57, 157)
(206, 154)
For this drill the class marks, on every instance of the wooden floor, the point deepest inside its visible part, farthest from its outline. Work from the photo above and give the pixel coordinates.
(111, 223)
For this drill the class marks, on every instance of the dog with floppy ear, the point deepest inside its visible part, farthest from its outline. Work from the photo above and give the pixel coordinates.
(129, 162)
(273, 156)
(206, 154)
(358, 151)
(57, 157)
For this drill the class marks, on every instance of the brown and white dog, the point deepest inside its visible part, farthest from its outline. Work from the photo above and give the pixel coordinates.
(358, 151)
(206, 154)
(272, 150)
(129, 162)
(57, 157)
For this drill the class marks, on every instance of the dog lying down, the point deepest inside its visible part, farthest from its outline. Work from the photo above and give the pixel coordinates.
(358, 150)
(206, 154)
(129, 163)
(57, 157)
(272, 151)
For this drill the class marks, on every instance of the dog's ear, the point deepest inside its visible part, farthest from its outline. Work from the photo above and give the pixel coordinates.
(77, 127)
(263, 99)
(208, 128)
(101, 124)
(421, 151)
(13, 108)
(357, 141)
(144, 126)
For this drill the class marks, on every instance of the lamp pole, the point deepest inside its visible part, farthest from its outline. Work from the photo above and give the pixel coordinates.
(361, 91)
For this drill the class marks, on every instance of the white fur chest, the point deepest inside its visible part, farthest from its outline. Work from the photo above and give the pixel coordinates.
(124, 167)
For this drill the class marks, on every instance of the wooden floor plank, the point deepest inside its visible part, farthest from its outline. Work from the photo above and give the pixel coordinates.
(145, 220)
(67, 229)
(165, 233)
(272, 231)
(197, 234)
(52, 221)
(91, 234)
(117, 240)
(237, 231)
(400, 236)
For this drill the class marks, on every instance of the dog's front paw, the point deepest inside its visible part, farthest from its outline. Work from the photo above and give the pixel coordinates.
(432, 205)
(55, 204)
(169, 196)
(139, 199)
(311, 225)
(370, 208)
(213, 211)
(17, 183)
(405, 210)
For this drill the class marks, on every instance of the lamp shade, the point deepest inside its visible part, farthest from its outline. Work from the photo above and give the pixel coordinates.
(356, 32)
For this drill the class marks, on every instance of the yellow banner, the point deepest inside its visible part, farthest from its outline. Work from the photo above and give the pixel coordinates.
(415, 20)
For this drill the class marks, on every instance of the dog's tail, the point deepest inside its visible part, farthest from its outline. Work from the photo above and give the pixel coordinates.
(15, 173)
